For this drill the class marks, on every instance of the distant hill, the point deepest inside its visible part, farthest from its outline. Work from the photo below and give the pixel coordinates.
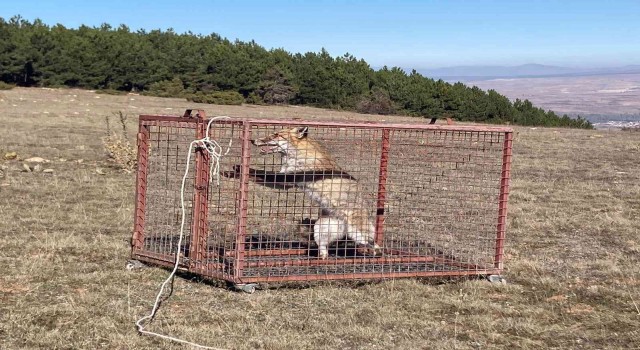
(469, 73)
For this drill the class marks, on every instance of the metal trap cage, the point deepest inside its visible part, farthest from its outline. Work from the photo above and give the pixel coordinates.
(311, 200)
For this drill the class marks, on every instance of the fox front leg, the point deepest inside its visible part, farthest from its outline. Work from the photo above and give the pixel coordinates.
(321, 235)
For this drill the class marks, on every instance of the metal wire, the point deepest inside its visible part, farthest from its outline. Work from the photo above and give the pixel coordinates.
(435, 196)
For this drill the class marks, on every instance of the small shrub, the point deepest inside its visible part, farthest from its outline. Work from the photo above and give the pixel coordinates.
(167, 88)
(276, 94)
(117, 146)
(111, 92)
(254, 99)
(275, 88)
(5, 86)
(218, 98)
(378, 102)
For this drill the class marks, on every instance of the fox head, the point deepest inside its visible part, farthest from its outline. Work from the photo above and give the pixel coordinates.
(281, 141)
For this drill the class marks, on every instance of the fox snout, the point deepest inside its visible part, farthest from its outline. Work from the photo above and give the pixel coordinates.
(266, 147)
(280, 141)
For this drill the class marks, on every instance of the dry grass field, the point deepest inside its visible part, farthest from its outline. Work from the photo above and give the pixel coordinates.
(573, 251)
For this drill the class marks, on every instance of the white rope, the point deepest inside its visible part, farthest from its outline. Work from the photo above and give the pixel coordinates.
(215, 152)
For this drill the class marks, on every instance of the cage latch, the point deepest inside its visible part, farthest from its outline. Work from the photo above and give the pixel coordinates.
(200, 114)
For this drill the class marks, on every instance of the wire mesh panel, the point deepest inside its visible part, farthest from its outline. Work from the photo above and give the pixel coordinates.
(162, 147)
(443, 196)
(334, 178)
(293, 200)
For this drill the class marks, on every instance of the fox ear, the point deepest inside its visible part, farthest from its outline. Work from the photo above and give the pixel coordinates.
(303, 131)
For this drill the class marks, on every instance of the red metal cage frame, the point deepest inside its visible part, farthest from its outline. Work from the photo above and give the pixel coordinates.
(211, 264)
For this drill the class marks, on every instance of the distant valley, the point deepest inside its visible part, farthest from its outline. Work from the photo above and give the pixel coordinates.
(608, 101)
(608, 97)
(476, 73)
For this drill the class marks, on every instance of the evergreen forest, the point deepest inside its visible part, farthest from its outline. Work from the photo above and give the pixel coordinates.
(212, 69)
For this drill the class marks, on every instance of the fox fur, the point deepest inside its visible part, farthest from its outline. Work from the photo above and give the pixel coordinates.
(313, 170)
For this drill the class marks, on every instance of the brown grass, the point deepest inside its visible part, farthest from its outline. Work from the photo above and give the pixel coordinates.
(573, 251)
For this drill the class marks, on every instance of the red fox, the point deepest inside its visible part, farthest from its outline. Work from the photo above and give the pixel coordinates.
(311, 168)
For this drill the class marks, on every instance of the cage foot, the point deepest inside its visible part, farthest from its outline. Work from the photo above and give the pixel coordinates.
(496, 279)
(134, 265)
(246, 287)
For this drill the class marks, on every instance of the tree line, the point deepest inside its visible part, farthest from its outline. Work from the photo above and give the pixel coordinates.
(209, 68)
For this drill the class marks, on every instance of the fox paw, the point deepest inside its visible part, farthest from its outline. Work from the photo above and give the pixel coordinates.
(369, 250)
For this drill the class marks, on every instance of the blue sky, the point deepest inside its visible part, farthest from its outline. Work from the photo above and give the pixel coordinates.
(410, 34)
